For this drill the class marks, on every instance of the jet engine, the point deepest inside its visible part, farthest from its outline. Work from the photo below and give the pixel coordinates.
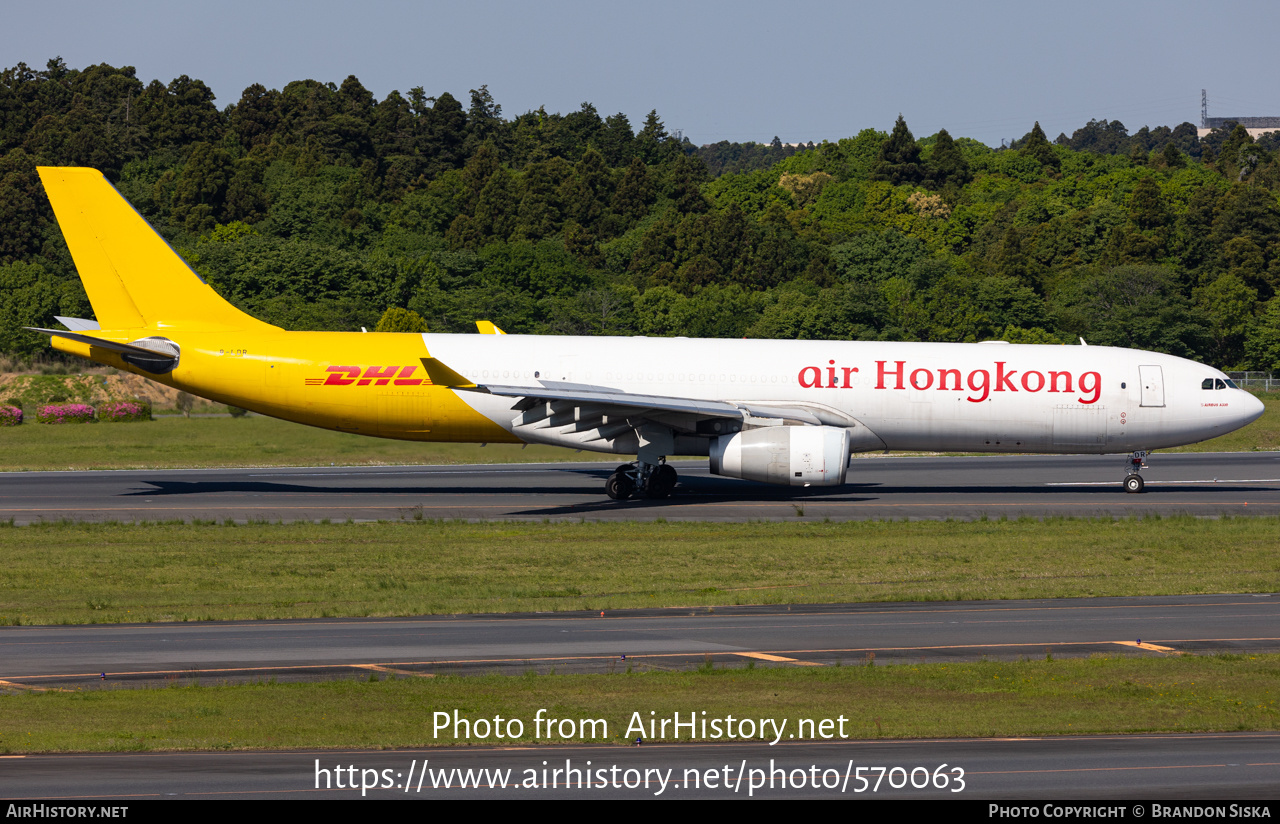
(787, 455)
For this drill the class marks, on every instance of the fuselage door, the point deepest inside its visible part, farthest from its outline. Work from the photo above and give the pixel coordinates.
(1152, 385)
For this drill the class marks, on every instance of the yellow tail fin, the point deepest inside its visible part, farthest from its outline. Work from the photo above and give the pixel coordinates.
(132, 276)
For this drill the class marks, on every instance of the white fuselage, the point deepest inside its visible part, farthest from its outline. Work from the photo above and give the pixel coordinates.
(990, 397)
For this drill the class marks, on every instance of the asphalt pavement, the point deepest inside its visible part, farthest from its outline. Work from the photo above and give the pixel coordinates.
(1207, 484)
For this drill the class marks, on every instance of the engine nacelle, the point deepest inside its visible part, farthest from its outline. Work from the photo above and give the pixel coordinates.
(787, 455)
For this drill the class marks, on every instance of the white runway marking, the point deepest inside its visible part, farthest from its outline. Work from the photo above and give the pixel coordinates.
(1150, 483)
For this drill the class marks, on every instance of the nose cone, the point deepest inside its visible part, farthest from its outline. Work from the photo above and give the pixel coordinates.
(1251, 410)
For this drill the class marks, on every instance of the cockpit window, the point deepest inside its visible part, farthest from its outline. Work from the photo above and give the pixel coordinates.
(1219, 384)
(1207, 383)
(1232, 384)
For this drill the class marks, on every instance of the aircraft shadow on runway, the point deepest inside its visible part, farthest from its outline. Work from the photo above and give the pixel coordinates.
(705, 488)
(692, 489)
(690, 495)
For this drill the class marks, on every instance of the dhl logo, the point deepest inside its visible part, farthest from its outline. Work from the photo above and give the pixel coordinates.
(376, 375)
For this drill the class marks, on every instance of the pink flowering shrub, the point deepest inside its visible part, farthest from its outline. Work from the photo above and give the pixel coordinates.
(124, 411)
(65, 413)
(10, 416)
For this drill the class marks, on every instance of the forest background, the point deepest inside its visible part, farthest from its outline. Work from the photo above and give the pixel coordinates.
(321, 207)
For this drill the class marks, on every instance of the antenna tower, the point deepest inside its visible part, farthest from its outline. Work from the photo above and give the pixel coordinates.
(1204, 109)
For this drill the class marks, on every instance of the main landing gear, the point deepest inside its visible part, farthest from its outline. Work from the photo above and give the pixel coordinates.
(1133, 481)
(650, 480)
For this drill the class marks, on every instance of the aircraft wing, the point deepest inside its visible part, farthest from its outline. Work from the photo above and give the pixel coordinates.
(607, 397)
(574, 414)
(603, 396)
(577, 414)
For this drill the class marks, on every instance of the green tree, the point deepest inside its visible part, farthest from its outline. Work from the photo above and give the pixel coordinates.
(1036, 146)
(29, 296)
(1172, 158)
(616, 140)
(541, 210)
(1011, 260)
(585, 125)
(1147, 209)
(475, 175)
(1238, 156)
(877, 257)
(1136, 307)
(22, 213)
(396, 319)
(445, 134)
(685, 177)
(653, 144)
(587, 193)
(200, 188)
(1228, 304)
(947, 168)
(495, 210)
(246, 197)
(484, 122)
(636, 191)
(180, 114)
(1262, 349)
(899, 159)
(256, 117)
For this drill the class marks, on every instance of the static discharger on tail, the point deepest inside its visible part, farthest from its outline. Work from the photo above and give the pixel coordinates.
(781, 412)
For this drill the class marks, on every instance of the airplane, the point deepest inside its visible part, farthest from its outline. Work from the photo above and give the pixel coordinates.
(780, 412)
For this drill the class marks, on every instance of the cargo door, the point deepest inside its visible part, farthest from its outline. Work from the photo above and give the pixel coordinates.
(1079, 428)
(404, 414)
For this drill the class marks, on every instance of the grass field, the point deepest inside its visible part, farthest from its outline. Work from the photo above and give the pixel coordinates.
(173, 442)
(107, 573)
(987, 699)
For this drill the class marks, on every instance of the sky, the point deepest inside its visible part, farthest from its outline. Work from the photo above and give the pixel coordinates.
(739, 71)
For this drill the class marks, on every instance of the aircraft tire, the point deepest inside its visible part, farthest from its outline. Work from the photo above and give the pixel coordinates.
(619, 487)
(662, 483)
(1133, 483)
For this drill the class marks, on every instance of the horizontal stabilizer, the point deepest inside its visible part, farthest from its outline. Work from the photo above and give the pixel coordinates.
(155, 355)
(78, 324)
(122, 348)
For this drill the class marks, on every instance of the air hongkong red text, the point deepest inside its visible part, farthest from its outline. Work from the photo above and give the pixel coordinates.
(980, 382)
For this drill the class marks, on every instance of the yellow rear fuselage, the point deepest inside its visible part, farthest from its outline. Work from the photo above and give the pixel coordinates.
(370, 384)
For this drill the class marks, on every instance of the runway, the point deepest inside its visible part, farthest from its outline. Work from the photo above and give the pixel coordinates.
(1204, 484)
(43, 657)
(1239, 768)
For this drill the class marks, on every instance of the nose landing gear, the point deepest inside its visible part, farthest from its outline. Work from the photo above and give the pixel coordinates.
(650, 480)
(1133, 481)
